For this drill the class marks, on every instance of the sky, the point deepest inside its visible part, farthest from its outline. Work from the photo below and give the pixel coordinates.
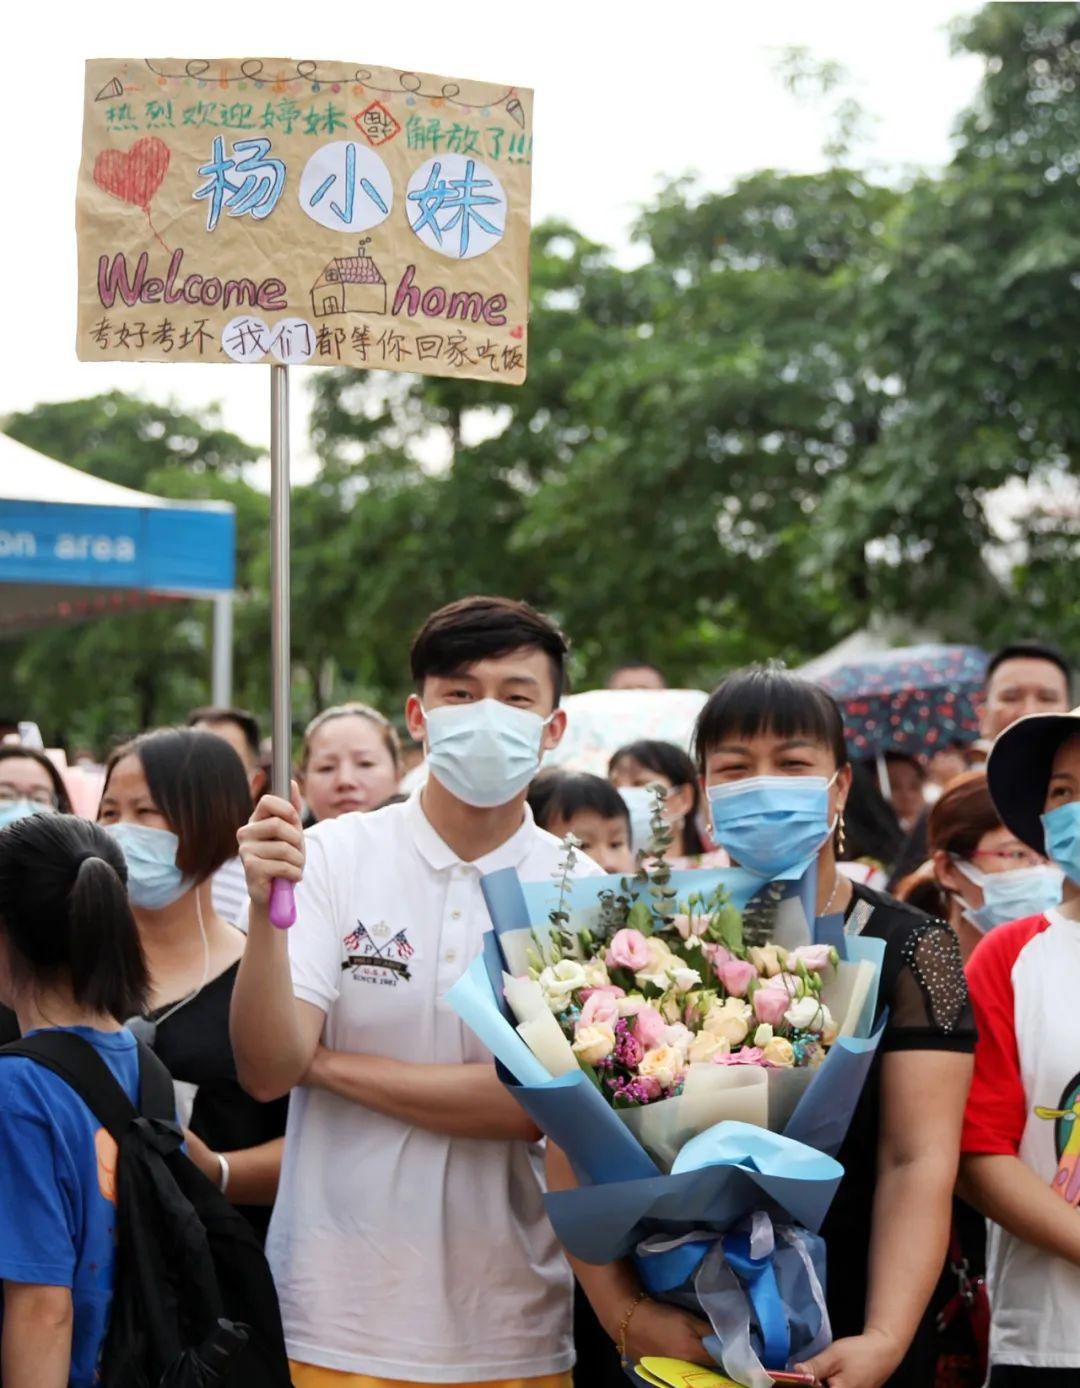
(627, 93)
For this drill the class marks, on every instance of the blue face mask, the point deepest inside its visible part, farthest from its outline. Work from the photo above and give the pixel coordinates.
(640, 804)
(1062, 830)
(486, 752)
(21, 809)
(154, 880)
(1013, 895)
(772, 825)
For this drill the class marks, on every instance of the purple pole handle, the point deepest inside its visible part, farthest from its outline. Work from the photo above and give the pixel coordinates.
(282, 903)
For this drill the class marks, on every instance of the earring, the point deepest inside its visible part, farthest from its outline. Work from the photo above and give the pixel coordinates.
(841, 835)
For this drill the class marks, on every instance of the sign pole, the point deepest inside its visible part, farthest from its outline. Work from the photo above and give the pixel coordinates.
(282, 904)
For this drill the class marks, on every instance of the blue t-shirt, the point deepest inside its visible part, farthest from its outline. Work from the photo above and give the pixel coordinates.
(57, 1190)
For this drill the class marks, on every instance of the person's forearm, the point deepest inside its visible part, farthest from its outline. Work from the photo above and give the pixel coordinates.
(910, 1235)
(35, 1351)
(254, 1173)
(456, 1100)
(267, 1040)
(1007, 1191)
(610, 1287)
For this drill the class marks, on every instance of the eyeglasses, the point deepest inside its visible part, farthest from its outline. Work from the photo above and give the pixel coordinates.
(11, 795)
(1015, 857)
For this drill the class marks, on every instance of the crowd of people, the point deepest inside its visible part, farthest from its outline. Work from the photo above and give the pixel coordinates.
(325, 1087)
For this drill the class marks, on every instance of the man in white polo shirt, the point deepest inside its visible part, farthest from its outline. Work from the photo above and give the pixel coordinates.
(409, 1241)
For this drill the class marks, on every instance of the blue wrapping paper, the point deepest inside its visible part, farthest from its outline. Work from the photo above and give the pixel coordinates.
(602, 1222)
(623, 1197)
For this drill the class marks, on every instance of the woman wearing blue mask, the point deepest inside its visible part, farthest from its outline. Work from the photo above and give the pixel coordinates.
(1021, 1163)
(173, 801)
(29, 784)
(772, 757)
(980, 875)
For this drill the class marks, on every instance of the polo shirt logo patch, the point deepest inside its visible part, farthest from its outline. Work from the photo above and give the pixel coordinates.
(373, 962)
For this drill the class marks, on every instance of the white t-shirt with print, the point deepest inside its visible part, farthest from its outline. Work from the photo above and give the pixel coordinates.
(1025, 1102)
(398, 1252)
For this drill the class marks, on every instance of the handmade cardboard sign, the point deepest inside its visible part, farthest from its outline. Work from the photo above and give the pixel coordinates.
(266, 209)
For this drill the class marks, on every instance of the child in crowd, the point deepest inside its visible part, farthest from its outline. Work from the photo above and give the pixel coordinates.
(590, 808)
(70, 959)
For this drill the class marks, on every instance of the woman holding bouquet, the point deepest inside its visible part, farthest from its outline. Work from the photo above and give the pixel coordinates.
(773, 762)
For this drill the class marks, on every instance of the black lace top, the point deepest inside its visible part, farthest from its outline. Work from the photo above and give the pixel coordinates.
(923, 986)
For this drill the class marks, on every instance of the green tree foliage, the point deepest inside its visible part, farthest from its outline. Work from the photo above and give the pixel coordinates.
(815, 400)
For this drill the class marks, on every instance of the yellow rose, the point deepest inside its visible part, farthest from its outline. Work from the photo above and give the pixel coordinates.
(779, 1052)
(767, 959)
(730, 1020)
(596, 975)
(664, 1064)
(705, 1046)
(594, 1043)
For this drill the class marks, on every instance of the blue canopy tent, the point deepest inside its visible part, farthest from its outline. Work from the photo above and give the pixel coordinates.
(74, 547)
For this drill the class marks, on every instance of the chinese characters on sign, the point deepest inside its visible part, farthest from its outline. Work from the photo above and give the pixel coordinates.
(265, 210)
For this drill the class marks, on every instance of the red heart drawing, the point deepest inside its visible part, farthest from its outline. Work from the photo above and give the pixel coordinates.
(518, 332)
(134, 176)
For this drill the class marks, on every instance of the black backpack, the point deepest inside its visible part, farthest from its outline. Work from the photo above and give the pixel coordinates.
(194, 1303)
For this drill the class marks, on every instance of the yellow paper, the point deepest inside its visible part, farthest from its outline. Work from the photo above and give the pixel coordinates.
(677, 1373)
(264, 209)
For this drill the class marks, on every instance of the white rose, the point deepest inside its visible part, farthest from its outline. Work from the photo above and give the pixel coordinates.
(631, 1005)
(596, 974)
(763, 1035)
(594, 1043)
(807, 1014)
(730, 1020)
(679, 1036)
(559, 981)
(685, 978)
(706, 1046)
(664, 1064)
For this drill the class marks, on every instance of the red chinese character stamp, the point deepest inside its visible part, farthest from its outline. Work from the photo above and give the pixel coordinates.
(377, 123)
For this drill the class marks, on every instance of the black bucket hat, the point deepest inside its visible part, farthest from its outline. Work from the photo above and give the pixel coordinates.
(1018, 771)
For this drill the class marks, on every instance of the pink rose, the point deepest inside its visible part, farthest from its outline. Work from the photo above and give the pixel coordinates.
(649, 1088)
(770, 1004)
(608, 990)
(599, 1008)
(748, 1055)
(736, 976)
(716, 954)
(629, 1051)
(629, 950)
(649, 1027)
(817, 958)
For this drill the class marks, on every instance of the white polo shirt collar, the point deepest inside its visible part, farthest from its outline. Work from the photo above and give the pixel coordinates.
(440, 856)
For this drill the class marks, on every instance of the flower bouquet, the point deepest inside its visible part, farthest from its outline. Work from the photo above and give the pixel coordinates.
(699, 1074)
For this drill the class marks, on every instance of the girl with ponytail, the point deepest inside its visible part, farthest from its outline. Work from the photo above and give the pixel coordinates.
(70, 959)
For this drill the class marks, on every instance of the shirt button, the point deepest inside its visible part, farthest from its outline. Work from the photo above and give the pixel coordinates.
(455, 915)
(450, 955)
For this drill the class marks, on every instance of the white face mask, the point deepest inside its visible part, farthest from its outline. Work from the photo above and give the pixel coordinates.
(485, 752)
(1013, 895)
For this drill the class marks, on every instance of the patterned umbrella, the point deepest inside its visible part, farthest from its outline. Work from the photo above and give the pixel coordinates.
(915, 700)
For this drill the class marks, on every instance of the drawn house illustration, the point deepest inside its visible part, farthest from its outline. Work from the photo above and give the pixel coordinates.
(349, 284)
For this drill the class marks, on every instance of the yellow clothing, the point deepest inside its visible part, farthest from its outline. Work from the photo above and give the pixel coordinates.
(312, 1376)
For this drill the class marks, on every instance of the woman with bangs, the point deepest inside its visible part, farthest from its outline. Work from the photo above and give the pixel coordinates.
(774, 767)
(774, 764)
